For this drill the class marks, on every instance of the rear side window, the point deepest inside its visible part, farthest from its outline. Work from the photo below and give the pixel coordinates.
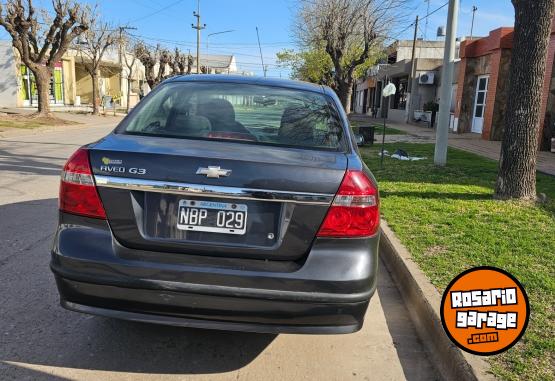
(252, 113)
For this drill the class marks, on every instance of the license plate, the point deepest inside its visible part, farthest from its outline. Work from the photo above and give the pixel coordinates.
(210, 216)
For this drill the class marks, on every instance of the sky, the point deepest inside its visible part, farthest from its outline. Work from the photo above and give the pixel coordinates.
(169, 22)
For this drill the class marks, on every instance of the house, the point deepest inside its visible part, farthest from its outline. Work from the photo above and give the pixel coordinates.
(482, 91)
(70, 84)
(216, 64)
(482, 84)
(397, 68)
(8, 81)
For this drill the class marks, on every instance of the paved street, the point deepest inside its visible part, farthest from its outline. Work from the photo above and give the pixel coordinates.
(41, 341)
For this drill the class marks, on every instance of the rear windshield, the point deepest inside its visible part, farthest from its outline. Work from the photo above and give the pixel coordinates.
(251, 113)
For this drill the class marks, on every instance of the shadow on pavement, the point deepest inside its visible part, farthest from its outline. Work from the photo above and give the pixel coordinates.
(30, 164)
(402, 331)
(35, 331)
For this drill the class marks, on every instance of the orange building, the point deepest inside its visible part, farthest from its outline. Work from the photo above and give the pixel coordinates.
(483, 83)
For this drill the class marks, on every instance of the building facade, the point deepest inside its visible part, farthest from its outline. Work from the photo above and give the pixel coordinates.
(479, 89)
(411, 98)
(483, 84)
(121, 78)
(482, 79)
(71, 84)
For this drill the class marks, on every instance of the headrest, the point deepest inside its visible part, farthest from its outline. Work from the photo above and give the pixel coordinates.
(297, 125)
(217, 110)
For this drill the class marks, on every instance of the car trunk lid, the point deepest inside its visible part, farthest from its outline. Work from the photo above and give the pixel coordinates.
(285, 193)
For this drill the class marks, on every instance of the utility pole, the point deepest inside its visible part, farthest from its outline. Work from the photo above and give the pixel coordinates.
(442, 131)
(426, 27)
(260, 49)
(198, 27)
(474, 9)
(412, 79)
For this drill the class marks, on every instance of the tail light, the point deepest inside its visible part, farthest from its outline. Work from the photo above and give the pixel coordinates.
(355, 209)
(78, 193)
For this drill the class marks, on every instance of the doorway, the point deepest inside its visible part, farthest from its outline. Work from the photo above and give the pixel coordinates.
(480, 104)
(29, 94)
(365, 101)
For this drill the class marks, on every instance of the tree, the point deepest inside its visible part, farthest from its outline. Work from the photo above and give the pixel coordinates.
(349, 31)
(129, 60)
(42, 43)
(181, 64)
(149, 59)
(517, 165)
(92, 47)
(312, 65)
(156, 62)
(165, 59)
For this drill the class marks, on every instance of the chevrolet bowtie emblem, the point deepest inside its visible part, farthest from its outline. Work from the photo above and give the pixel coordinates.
(215, 172)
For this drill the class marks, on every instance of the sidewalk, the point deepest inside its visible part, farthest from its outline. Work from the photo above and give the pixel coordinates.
(83, 121)
(468, 142)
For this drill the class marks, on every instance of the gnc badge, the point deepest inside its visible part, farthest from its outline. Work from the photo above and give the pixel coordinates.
(485, 310)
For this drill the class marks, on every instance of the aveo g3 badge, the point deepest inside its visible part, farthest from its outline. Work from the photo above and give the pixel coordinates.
(213, 171)
(485, 310)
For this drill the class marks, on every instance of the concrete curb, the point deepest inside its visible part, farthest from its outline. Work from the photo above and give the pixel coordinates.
(423, 303)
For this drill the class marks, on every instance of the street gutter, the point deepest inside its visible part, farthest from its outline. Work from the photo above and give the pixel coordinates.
(423, 303)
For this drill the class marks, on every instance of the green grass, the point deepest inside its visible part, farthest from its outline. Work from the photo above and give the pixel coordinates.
(379, 128)
(449, 221)
(19, 121)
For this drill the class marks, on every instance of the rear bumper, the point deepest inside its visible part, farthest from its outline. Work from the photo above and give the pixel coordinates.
(211, 312)
(328, 293)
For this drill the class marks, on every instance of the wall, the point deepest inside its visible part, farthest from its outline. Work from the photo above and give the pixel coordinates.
(8, 76)
(498, 104)
(424, 49)
(548, 124)
(485, 56)
(474, 67)
(109, 83)
(68, 66)
(547, 129)
(423, 94)
(397, 116)
(83, 84)
(361, 85)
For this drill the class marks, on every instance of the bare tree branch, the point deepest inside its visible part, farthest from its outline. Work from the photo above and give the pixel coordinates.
(92, 48)
(348, 30)
(40, 48)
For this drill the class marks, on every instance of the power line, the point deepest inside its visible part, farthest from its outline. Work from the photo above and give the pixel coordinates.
(428, 14)
(226, 44)
(435, 10)
(156, 12)
(230, 50)
(152, 46)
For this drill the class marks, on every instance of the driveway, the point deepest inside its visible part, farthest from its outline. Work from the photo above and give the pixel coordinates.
(41, 341)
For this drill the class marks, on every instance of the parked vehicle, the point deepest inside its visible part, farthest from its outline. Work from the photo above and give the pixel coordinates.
(208, 208)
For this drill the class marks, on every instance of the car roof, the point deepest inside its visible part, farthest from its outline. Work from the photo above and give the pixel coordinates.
(251, 80)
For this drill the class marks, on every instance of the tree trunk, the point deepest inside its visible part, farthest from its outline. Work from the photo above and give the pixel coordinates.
(128, 90)
(517, 165)
(345, 92)
(96, 100)
(42, 80)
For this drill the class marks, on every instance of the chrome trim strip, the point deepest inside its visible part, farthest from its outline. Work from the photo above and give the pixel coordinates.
(187, 189)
